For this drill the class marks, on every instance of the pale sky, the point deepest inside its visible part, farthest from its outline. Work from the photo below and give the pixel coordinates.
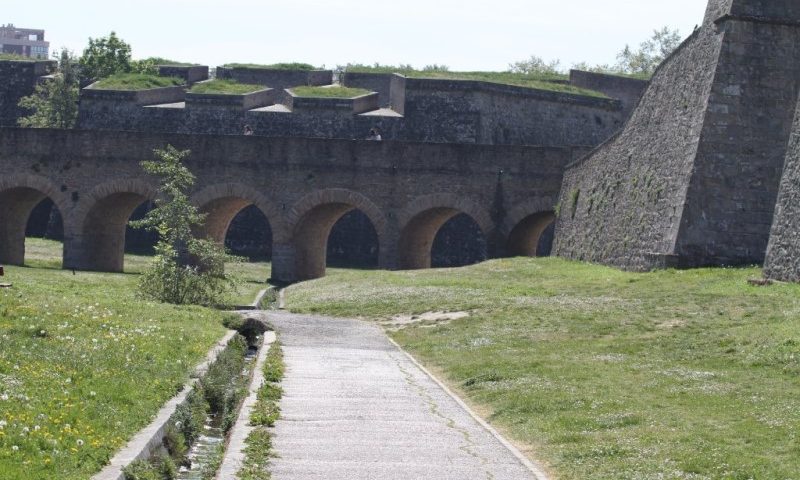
(462, 34)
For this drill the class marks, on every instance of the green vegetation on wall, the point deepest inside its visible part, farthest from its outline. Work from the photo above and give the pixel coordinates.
(274, 66)
(136, 81)
(225, 87)
(329, 92)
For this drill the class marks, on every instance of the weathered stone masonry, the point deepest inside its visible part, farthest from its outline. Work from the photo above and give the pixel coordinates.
(18, 79)
(303, 186)
(783, 253)
(693, 177)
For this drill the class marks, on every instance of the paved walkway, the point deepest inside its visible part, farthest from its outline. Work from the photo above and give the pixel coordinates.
(356, 407)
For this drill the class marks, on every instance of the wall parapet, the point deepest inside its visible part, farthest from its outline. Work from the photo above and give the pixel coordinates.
(275, 78)
(189, 73)
(354, 106)
(247, 101)
(443, 85)
(151, 96)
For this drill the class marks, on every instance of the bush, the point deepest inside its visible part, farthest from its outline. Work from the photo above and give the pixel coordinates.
(186, 270)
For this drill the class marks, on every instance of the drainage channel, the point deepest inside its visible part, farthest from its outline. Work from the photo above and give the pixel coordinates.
(205, 453)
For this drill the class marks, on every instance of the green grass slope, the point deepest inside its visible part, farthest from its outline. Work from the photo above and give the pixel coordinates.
(600, 373)
(85, 364)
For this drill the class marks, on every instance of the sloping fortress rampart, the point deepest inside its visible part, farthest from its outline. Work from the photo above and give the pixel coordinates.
(692, 179)
(686, 170)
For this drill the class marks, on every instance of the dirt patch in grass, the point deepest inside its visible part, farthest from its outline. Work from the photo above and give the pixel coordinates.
(427, 319)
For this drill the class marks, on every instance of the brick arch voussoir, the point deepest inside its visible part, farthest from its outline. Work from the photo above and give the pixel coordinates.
(465, 205)
(40, 184)
(338, 195)
(275, 217)
(87, 202)
(523, 210)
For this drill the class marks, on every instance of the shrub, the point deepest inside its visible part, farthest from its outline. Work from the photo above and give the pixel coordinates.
(186, 270)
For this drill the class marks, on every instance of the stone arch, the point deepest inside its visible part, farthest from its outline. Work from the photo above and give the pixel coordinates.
(19, 195)
(101, 220)
(312, 219)
(525, 224)
(223, 202)
(421, 220)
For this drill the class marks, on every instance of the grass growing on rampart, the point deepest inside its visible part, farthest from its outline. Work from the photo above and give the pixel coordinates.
(549, 82)
(329, 92)
(601, 373)
(225, 87)
(136, 81)
(84, 364)
(274, 66)
(12, 57)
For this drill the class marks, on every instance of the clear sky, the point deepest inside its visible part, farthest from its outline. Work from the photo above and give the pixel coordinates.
(462, 34)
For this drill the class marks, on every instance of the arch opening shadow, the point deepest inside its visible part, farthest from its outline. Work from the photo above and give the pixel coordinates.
(249, 235)
(311, 237)
(353, 242)
(104, 231)
(461, 243)
(24, 210)
(532, 236)
(137, 240)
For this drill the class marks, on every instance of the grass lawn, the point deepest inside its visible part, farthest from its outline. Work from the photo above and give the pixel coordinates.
(225, 87)
(603, 374)
(329, 92)
(84, 364)
(136, 81)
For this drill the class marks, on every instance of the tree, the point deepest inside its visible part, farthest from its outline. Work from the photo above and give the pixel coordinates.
(54, 102)
(650, 53)
(536, 66)
(104, 57)
(186, 270)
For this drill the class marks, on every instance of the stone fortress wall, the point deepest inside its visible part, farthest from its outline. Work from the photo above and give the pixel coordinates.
(18, 79)
(303, 186)
(693, 177)
(404, 109)
(688, 172)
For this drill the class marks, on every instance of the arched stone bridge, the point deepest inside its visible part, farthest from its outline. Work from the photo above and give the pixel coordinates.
(303, 186)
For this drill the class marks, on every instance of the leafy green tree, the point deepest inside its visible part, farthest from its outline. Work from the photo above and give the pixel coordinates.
(186, 270)
(104, 57)
(54, 102)
(650, 53)
(536, 66)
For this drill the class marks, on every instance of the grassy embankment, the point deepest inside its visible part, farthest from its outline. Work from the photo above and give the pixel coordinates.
(600, 373)
(84, 364)
(550, 82)
(136, 81)
(329, 92)
(225, 87)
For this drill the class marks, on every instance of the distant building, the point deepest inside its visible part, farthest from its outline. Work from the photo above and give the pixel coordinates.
(23, 41)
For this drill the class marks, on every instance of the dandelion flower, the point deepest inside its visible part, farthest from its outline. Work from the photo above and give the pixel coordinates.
(14, 448)
(79, 442)
(4, 397)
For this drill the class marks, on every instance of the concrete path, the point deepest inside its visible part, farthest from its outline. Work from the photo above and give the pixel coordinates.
(356, 407)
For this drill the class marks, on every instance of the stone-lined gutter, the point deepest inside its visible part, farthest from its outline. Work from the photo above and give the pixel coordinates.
(149, 439)
(234, 453)
(263, 300)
